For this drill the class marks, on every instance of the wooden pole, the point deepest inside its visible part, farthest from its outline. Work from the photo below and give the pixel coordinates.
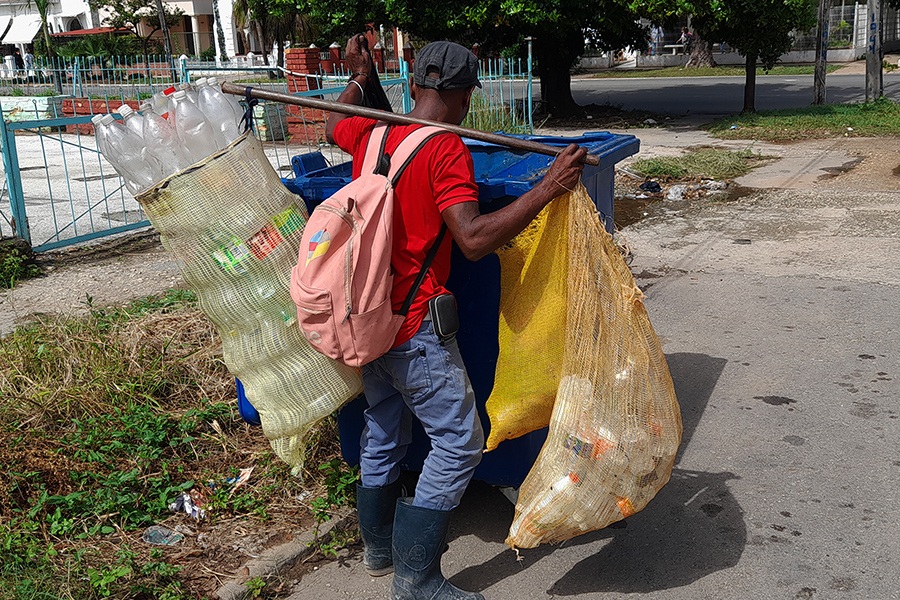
(394, 118)
(821, 53)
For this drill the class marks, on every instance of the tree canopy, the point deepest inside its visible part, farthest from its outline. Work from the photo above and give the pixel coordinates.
(128, 14)
(760, 30)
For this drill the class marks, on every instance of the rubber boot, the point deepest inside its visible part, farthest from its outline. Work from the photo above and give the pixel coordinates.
(420, 536)
(375, 509)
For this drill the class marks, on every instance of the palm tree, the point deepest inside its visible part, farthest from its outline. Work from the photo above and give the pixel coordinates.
(43, 8)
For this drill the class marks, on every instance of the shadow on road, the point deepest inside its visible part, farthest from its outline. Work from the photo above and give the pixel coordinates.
(694, 527)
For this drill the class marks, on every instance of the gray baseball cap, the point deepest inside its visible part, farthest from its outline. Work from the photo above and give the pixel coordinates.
(457, 68)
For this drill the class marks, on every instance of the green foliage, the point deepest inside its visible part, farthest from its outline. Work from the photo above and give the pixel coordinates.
(340, 487)
(100, 46)
(14, 266)
(486, 115)
(761, 30)
(255, 586)
(879, 118)
(705, 163)
(129, 14)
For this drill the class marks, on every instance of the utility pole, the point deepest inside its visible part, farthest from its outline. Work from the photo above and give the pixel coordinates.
(874, 69)
(821, 52)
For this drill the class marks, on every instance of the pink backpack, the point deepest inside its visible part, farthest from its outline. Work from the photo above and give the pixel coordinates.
(342, 282)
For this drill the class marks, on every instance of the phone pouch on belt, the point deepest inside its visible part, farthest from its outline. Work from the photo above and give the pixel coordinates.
(444, 317)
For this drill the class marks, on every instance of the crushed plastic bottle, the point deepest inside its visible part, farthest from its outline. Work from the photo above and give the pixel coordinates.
(551, 510)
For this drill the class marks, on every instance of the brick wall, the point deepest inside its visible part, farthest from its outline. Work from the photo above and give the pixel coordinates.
(75, 107)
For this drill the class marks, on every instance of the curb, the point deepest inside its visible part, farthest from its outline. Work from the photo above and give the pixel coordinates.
(278, 558)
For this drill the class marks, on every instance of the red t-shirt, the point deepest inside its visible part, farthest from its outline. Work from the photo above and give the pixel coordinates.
(440, 175)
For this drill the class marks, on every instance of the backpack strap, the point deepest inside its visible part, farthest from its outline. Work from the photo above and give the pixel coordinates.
(375, 148)
(408, 148)
(403, 155)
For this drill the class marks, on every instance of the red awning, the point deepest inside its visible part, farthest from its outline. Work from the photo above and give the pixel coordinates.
(94, 31)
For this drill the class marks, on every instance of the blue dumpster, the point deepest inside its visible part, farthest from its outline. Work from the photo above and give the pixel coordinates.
(502, 175)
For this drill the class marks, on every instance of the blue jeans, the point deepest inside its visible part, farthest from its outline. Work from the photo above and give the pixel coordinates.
(425, 379)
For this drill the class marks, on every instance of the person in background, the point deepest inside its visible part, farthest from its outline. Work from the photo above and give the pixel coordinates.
(423, 375)
(687, 39)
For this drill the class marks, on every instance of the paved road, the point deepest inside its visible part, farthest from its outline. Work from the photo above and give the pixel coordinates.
(777, 313)
(720, 95)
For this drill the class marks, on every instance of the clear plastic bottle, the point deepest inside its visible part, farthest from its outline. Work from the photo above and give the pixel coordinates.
(219, 110)
(194, 130)
(236, 106)
(190, 91)
(163, 144)
(552, 508)
(122, 148)
(133, 121)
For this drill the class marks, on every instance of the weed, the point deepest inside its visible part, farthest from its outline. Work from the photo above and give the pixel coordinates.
(255, 586)
(487, 115)
(15, 266)
(700, 163)
(339, 538)
(340, 486)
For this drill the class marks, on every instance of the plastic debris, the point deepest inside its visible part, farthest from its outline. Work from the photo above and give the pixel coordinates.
(733, 127)
(190, 503)
(238, 481)
(650, 122)
(676, 192)
(651, 186)
(161, 536)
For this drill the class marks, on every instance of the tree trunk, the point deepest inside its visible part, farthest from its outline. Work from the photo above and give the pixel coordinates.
(750, 85)
(220, 33)
(554, 62)
(701, 54)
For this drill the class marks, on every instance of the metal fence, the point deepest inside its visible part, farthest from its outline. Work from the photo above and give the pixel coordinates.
(62, 192)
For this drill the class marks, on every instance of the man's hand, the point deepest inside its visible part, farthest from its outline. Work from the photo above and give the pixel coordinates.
(357, 55)
(565, 172)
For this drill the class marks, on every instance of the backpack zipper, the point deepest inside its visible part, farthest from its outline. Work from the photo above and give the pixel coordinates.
(348, 256)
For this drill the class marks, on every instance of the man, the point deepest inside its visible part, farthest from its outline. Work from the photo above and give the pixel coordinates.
(423, 375)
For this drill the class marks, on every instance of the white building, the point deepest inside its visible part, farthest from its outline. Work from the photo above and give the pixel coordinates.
(20, 24)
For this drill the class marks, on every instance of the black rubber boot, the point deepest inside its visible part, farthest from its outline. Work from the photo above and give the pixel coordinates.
(419, 541)
(375, 509)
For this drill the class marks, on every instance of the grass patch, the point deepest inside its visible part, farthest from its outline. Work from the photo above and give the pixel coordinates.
(720, 71)
(487, 115)
(880, 118)
(104, 421)
(702, 163)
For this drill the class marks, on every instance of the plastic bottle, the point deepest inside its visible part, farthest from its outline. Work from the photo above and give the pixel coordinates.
(553, 508)
(190, 91)
(236, 107)
(132, 120)
(163, 144)
(194, 130)
(220, 112)
(122, 148)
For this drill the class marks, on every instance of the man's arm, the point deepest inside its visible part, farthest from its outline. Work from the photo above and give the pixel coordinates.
(477, 235)
(362, 70)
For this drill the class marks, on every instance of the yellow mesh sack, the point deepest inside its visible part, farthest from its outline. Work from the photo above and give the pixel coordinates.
(616, 424)
(532, 305)
(235, 230)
